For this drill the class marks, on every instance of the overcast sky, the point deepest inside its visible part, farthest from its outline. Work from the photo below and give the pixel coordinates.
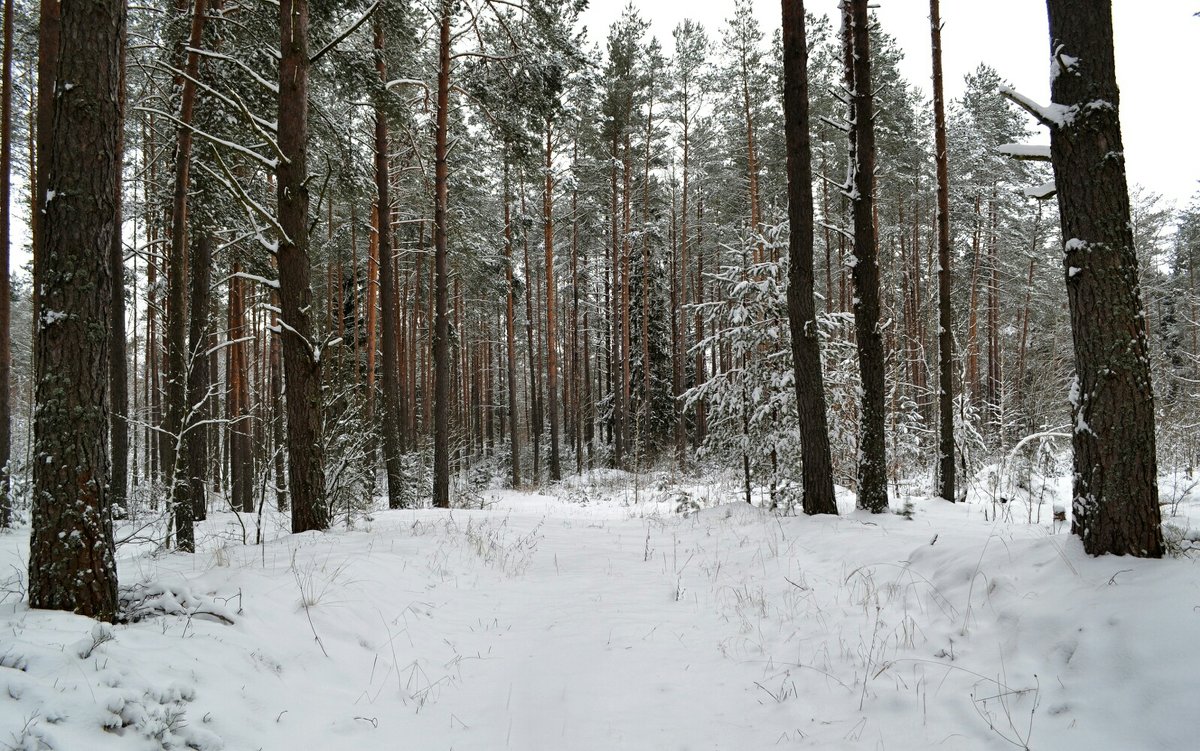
(1157, 48)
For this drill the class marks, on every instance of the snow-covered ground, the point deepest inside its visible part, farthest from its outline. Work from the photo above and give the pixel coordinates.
(593, 622)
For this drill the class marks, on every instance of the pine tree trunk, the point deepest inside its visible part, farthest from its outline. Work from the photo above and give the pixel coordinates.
(645, 407)
(49, 41)
(277, 413)
(551, 322)
(626, 250)
(174, 464)
(372, 313)
(441, 334)
(872, 465)
(1115, 508)
(945, 311)
(535, 406)
(5, 230)
(817, 470)
(682, 281)
(510, 332)
(387, 291)
(241, 457)
(71, 561)
(195, 440)
(118, 363)
(301, 358)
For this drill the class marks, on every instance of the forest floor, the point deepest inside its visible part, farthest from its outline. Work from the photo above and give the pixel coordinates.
(596, 621)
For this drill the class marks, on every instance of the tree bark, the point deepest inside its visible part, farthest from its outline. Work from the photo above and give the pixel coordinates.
(174, 465)
(1115, 506)
(387, 291)
(301, 355)
(71, 562)
(441, 333)
(241, 446)
(872, 465)
(195, 439)
(946, 468)
(817, 471)
(510, 331)
(5, 230)
(49, 41)
(551, 310)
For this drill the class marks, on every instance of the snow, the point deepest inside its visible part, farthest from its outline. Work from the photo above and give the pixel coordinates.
(1043, 191)
(51, 317)
(1061, 62)
(589, 620)
(1056, 115)
(1025, 150)
(271, 283)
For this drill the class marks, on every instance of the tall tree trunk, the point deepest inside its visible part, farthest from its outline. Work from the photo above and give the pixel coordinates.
(510, 330)
(872, 465)
(551, 309)
(626, 251)
(945, 473)
(118, 363)
(71, 559)
(277, 412)
(387, 291)
(178, 487)
(195, 440)
(1115, 508)
(49, 41)
(241, 456)
(817, 471)
(5, 230)
(646, 403)
(441, 333)
(613, 345)
(301, 357)
(682, 282)
(372, 312)
(698, 321)
(535, 405)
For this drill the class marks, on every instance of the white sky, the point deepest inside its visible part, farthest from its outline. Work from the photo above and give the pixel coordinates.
(1158, 55)
(1157, 48)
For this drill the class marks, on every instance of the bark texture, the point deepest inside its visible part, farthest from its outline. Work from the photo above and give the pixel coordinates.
(174, 465)
(441, 325)
(872, 459)
(5, 225)
(195, 440)
(71, 561)
(387, 291)
(945, 314)
(1115, 505)
(817, 472)
(301, 354)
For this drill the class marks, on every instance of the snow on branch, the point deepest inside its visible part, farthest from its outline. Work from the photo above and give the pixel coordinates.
(1041, 192)
(272, 283)
(266, 84)
(255, 119)
(270, 164)
(340, 37)
(1052, 115)
(1033, 152)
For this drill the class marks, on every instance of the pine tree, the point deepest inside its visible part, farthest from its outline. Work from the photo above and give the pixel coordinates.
(1115, 507)
(301, 353)
(945, 311)
(802, 316)
(71, 563)
(872, 469)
